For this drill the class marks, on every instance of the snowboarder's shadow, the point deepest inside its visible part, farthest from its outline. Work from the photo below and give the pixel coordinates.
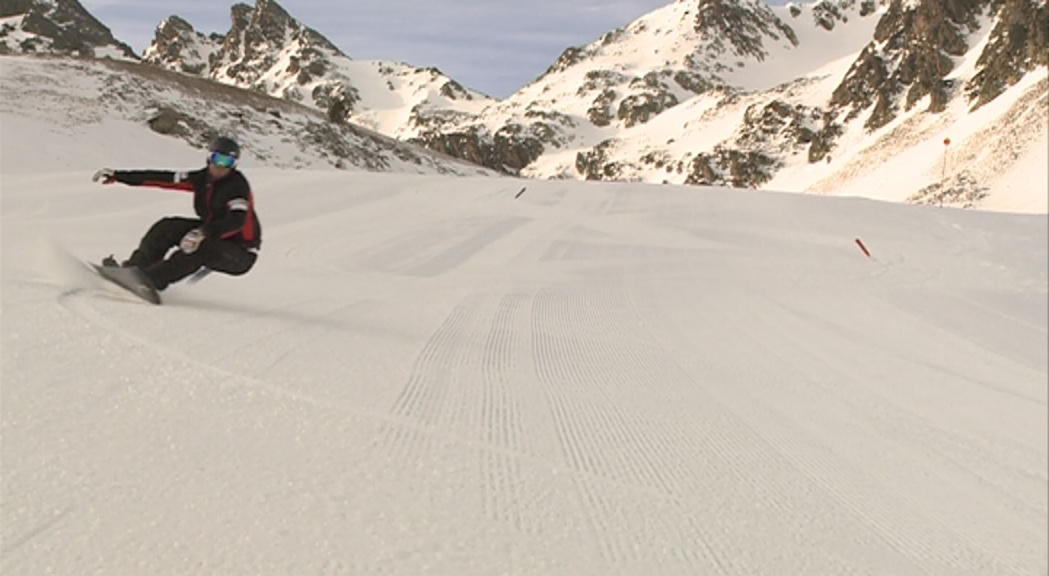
(334, 320)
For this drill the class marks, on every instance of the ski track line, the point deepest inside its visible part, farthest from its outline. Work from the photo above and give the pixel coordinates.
(775, 450)
(1017, 320)
(819, 475)
(947, 441)
(395, 247)
(939, 443)
(550, 371)
(734, 452)
(408, 426)
(501, 423)
(423, 397)
(525, 437)
(409, 429)
(464, 246)
(970, 441)
(918, 552)
(14, 542)
(758, 452)
(822, 472)
(622, 431)
(747, 452)
(437, 248)
(603, 431)
(943, 333)
(351, 203)
(755, 453)
(399, 251)
(679, 480)
(947, 337)
(593, 431)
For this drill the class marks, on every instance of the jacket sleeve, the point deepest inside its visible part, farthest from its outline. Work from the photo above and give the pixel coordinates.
(238, 207)
(157, 178)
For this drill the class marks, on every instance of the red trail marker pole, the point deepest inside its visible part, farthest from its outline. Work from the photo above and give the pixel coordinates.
(862, 247)
(943, 176)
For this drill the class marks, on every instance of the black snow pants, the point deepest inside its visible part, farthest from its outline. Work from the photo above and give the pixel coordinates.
(219, 255)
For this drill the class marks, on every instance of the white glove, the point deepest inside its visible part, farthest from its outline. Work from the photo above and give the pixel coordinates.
(106, 175)
(191, 241)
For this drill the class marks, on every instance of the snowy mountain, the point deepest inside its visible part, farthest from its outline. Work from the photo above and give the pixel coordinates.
(818, 97)
(834, 97)
(111, 85)
(830, 98)
(96, 96)
(269, 51)
(653, 100)
(56, 27)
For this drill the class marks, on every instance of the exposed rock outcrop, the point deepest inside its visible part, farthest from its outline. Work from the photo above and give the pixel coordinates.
(58, 27)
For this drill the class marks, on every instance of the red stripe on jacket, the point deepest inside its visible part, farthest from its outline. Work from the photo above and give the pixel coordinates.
(185, 185)
(247, 230)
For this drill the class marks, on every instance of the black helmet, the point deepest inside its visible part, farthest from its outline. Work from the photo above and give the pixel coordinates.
(224, 145)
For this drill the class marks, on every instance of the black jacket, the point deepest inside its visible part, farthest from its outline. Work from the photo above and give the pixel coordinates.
(225, 206)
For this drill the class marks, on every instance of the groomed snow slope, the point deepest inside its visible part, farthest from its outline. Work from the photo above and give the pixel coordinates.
(424, 375)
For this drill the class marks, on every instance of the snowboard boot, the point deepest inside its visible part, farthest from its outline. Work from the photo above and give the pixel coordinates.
(111, 262)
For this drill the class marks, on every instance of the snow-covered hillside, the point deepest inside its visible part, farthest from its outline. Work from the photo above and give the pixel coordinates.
(57, 26)
(770, 125)
(426, 375)
(831, 97)
(268, 50)
(83, 102)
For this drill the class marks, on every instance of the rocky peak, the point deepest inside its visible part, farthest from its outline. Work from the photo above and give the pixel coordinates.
(266, 29)
(177, 46)
(260, 37)
(701, 39)
(743, 24)
(267, 50)
(911, 52)
(614, 84)
(58, 27)
(1019, 42)
(828, 13)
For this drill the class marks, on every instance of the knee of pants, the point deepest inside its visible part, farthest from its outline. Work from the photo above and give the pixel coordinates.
(170, 228)
(229, 258)
(240, 269)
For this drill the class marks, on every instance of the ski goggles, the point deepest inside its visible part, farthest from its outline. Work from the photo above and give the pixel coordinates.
(222, 160)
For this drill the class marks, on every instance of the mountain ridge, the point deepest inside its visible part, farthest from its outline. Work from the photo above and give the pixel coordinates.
(822, 82)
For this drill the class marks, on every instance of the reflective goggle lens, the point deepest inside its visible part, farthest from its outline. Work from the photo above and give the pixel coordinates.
(222, 160)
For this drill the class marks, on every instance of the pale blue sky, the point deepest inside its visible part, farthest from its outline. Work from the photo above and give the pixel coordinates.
(495, 46)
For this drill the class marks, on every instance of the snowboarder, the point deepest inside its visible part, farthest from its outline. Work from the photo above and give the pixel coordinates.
(225, 236)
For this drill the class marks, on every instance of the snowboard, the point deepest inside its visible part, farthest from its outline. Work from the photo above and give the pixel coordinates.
(131, 279)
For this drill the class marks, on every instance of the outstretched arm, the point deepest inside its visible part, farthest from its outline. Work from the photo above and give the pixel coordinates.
(155, 178)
